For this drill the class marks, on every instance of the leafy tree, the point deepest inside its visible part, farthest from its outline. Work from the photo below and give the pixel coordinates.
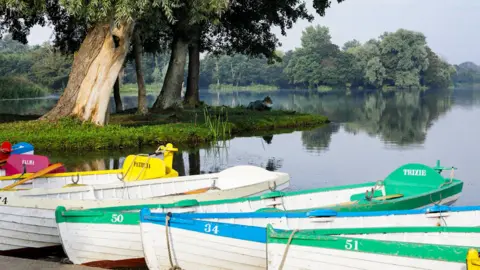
(404, 56)
(351, 44)
(466, 73)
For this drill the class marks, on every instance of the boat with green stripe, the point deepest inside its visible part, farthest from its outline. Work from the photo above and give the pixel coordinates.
(239, 240)
(408, 187)
(380, 248)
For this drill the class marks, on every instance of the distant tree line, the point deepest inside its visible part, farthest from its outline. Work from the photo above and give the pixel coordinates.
(397, 60)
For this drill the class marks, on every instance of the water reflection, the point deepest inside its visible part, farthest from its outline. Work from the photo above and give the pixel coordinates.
(372, 134)
(318, 139)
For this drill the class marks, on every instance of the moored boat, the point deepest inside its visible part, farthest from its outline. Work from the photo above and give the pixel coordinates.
(429, 247)
(409, 186)
(29, 223)
(73, 222)
(335, 240)
(135, 168)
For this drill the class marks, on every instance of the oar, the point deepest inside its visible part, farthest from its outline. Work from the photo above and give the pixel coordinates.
(35, 175)
(196, 191)
(387, 197)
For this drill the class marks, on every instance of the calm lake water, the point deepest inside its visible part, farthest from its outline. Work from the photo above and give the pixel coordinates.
(372, 134)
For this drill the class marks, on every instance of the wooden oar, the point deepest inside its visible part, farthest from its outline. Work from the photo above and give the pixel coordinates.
(35, 175)
(196, 191)
(388, 197)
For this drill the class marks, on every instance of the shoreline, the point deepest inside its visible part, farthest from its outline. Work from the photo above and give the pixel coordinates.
(190, 127)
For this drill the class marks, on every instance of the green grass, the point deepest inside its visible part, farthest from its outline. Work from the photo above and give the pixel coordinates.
(324, 88)
(132, 88)
(229, 88)
(20, 87)
(186, 127)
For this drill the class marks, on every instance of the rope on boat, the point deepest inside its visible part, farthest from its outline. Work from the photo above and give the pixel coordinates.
(172, 267)
(274, 186)
(452, 173)
(286, 249)
(377, 186)
(122, 177)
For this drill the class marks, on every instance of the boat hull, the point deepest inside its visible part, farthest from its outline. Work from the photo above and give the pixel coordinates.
(400, 250)
(30, 222)
(230, 178)
(239, 233)
(296, 201)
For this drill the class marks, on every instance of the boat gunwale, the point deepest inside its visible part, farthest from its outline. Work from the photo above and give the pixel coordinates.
(93, 211)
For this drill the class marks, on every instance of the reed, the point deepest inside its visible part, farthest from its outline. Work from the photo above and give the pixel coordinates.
(217, 123)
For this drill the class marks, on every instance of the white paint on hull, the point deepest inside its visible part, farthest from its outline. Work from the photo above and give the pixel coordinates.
(20, 228)
(192, 250)
(300, 257)
(35, 217)
(154, 236)
(231, 178)
(61, 179)
(85, 243)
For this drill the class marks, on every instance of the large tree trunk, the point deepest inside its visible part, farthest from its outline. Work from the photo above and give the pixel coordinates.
(95, 68)
(170, 95)
(192, 96)
(142, 92)
(117, 97)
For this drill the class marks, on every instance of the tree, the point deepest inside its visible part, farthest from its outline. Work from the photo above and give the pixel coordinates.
(351, 44)
(191, 14)
(315, 63)
(99, 59)
(102, 52)
(116, 96)
(404, 56)
(439, 73)
(192, 96)
(142, 92)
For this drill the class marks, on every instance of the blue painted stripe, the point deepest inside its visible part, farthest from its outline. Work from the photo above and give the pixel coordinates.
(325, 213)
(234, 231)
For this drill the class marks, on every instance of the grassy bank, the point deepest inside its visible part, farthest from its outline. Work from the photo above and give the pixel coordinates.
(189, 127)
(20, 87)
(132, 88)
(229, 88)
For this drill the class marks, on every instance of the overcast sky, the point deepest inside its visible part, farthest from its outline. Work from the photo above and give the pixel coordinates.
(452, 27)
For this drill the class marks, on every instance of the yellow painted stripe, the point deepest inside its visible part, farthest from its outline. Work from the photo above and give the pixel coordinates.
(52, 175)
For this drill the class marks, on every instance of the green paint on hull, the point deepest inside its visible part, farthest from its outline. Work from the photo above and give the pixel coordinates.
(419, 184)
(327, 239)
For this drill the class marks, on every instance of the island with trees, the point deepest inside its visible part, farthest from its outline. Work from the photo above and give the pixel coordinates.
(104, 48)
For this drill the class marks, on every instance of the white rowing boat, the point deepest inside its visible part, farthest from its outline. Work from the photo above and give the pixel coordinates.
(111, 236)
(337, 240)
(30, 222)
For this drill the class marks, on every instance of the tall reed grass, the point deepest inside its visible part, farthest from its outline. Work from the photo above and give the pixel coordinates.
(217, 123)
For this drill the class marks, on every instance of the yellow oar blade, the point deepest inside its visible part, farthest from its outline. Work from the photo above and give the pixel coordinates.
(35, 175)
(196, 191)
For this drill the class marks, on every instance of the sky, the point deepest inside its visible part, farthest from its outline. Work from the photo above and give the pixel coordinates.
(451, 26)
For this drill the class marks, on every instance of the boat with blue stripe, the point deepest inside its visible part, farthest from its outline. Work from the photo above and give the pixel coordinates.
(103, 230)
(239, 240)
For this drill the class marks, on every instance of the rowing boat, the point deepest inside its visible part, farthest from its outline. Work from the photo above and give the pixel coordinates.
(135, 168)
(399, 248)
(321, 239)
(29, 223)
(99, 226)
